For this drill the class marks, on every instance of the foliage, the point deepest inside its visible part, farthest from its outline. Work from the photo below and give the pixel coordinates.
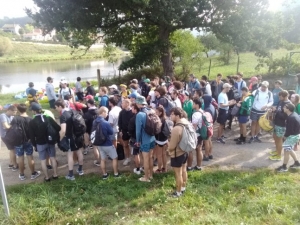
(5, 46)
(210, 42)
(19, 20)
(144, 26)
(28, 28)
(293, 34)
(187, 51)
(226, 53)
(212, 197)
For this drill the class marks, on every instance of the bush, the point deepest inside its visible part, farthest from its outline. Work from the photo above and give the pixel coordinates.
(5, 45)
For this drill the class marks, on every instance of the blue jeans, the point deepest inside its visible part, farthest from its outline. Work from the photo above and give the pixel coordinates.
(26, 147)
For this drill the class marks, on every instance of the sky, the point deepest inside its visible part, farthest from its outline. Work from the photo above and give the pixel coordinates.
(15, 8)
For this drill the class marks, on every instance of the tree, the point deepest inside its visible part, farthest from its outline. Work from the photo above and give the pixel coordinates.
(124, 21)
(28, 28)
(5, 46)
(21, 31)
(210, 42)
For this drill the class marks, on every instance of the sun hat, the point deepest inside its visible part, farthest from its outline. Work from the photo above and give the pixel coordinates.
(113, 87)
(123, 85)
(141, 100)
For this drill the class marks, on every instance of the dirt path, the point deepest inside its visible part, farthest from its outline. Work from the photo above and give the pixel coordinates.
(226, 156)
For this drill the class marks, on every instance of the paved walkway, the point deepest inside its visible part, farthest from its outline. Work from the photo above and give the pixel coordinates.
(226, 156)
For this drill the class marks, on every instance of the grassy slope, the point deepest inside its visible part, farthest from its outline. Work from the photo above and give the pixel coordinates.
(213, 197)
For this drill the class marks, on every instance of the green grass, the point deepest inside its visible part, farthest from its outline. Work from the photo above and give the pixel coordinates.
(33, 52)
(212, 197)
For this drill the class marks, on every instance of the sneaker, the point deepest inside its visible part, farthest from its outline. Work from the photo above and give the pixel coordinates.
(237, 139)
(117, 176)
(80, 172)
(223, 137)
(220, 140)
(251, 140)
(86, 150)
(68, 177)
(54, 178)
(189, 169)
(48, 180)
(197, 168)
(35, 175)
(281, 169)
(15, 168)
(10, 166)
(295, 166)
(97, 163)
(175, 194)
(272, 153)
(210, 157)
(275, 158)
(22, 177)
(205, 158)
(49, 167)
(126, 162)
(256, 139)
(241, 142)
(138, 172)
(104, 177)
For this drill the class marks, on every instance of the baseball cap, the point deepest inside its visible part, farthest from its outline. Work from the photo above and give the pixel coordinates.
(147, 80)
(265, 83)
(91, 101)
(227, 85)
(88, 97)
(253, 79)
(134, 81)
(35, 106)
(141, 100)
(49, 78)
(123, 85)
(133, 95)
(64, 81)
(113, 87)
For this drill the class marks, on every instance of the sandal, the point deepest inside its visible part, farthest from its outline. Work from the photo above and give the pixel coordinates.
(158, 171)
(143, 179)
(163, 170)
(47, 180)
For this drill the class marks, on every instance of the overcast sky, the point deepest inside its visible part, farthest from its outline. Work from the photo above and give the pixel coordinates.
(15, 8)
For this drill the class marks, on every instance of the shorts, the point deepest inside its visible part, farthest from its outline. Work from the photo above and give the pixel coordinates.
(76, 144)
(200, 141)
(255, 114)
(243, 119)
(113, 137)
(45, 151)
(8, 146)
(290, 142)
(26, 147)
(179, 161)
(51, 103)
(109, 151)
(222, 117)
(161, 143)
(147, 147)
(125, 136)
(279, 131)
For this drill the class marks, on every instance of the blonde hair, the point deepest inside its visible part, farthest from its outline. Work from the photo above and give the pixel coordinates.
(297, 99)
(102, 110)
(104, 89)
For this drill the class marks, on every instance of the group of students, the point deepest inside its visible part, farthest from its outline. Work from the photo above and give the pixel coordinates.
(150, 119)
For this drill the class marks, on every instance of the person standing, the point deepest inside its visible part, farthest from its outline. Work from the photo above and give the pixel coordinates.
(279, 124)
(223, 110)
(113, 118)
(253, 84)
(178, 156)
(39, 137)
(239, 84)
(79, 90)
(104, 97)
(5, 124)
(176, 99)
(89, 89)
(145, 141)
(124, 117)
(276, 92)
(207, 85)
(291, 136)
(65, 90)
(193, 84)
(50, 92)
(217, 86)
(74, 144)
(188, 105)
(151, 96)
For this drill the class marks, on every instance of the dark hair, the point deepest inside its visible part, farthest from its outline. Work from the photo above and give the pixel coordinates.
(161, 91)
(204, 77)
(283, 94)
(219, 75)
(178, 112)
(12, 108)
(59, 103)
(134, 86)
(152, 84)
(113, 101)
(30, 84)
(240, 74)
(245, 89)
(290, 107)
(104, 89)
(231, 81)
(78, 78)
(177, 85)
(278, 82)
(291, 92)
(88, 83)
(199, 92)
(22, 108)
(162, 111)
(134, 105)
(198, 102)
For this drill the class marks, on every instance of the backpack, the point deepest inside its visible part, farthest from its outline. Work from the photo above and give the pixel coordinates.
(15, 135)
(181, 97)
(145, 90)
(213, 115)
(97, 136)
(204, 130)
(166, 130)
(52, 134)
(171, 105)
(61, 90)
(153, 123)
(189, 139)
(120, 152)
(236, 94)
(79, 126)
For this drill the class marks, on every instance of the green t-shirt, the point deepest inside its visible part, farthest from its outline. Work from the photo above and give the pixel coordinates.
(297, 109)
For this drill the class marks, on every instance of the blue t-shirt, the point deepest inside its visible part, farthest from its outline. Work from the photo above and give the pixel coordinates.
(276, 96)
(223, 99)
(4, 119)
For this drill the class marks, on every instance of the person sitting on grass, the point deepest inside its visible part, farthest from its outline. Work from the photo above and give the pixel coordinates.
(291, 136)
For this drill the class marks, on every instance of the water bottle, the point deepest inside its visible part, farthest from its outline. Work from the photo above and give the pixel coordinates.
(49, 138)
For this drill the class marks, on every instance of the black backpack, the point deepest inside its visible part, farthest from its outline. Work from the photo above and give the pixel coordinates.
(120, 152)
(79, 126)
(15, 135)
(97, 136)
(52, 134)
(153, 123)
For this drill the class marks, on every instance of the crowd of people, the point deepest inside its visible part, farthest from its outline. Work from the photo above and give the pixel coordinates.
(149, 120)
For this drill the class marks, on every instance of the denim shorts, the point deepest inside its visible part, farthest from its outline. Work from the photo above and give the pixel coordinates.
(243, 119)
(24, 148)
(147, 147)
(45, 151)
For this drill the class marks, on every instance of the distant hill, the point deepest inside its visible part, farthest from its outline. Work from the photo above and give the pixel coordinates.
(20, 20)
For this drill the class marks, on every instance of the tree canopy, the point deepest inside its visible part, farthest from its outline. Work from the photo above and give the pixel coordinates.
(143, 26)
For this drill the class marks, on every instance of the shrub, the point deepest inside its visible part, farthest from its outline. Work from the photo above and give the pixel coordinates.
(5, 45)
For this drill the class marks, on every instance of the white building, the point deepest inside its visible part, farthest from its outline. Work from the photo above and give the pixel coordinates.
(11, 28)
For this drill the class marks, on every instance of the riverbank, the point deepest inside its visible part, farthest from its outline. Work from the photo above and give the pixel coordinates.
(37, 52)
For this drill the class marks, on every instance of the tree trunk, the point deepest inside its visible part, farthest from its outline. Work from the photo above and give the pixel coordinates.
(166, 54)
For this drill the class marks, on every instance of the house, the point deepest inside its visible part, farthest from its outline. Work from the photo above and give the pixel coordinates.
(37, 35)
(11, 28)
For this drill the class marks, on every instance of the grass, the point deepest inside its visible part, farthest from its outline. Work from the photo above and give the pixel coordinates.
(33, 52)
(212, 197)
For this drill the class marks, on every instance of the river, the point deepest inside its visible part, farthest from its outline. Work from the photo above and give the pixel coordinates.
(14, 77)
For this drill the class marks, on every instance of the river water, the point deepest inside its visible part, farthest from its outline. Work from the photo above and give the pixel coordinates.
(14, 77)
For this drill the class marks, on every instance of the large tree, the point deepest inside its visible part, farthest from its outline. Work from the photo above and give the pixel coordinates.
(142, 25)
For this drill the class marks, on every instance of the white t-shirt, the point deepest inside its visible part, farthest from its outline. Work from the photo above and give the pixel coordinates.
(65, 91)
(197, 120)
(113, 117)
(178, 103)
(223, 98)
(208, 89)
(152, 99)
